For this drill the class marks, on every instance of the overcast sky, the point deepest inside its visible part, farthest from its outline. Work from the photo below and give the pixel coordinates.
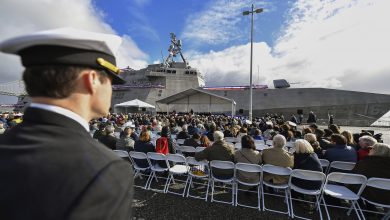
(340, 44)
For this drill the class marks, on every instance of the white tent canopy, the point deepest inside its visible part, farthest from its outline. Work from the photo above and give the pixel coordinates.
(135, 103)
(134, 106)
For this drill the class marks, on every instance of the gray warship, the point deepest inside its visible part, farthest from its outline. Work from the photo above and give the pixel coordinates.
(159, 81)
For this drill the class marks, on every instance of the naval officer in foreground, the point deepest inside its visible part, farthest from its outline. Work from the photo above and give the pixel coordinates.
(50, 166)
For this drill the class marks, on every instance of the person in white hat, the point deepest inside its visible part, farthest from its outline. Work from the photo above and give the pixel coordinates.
(51, 168)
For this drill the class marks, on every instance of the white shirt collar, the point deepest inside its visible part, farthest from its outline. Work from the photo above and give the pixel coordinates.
(62, 111)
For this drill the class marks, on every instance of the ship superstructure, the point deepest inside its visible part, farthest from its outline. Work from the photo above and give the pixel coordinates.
(158, 81)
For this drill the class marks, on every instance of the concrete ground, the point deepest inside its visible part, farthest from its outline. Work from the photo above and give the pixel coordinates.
(148, 204)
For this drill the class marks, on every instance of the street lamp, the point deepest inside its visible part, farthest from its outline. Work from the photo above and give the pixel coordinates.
(259, 10)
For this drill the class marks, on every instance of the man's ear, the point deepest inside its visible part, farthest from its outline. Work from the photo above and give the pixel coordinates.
(90, 80)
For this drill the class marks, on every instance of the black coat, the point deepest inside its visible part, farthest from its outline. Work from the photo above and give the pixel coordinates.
(51, 168)
(307, 162)
(191, 142)
(144, 147)
(109, 141)
(374, 166)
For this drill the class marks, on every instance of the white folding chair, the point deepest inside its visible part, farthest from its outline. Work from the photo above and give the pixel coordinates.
(155, 159)
(187, 150)
(123, 154)
(180, 141)
(199, 149)
(220, 165)
(342, 192)
(324, 164)
(198, 170)
(260, 145)
(135, 158)
(269, 142)
(252, 169)
(381, 184)
(237, 146)
(179, 168)
(276, 170)
(290, 144)
(340, 166)
(306, 175)
(231, 139)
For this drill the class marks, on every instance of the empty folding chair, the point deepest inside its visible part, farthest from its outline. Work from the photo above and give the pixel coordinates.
(307, 175)
(334, 187)
(199, 149)
(123, 154)
(188, 151)
(178, 149)
(237, 146)
(155, 134)
(198, 170)
(180, 168)
(324, 164)
(380, 184)
(281, 171)
(180, 141)
(269, 142)
(141, 164)
(340, 166)
(228, 168)
(290, 144)
(231, 139)
(260, 145)
(158, 164)
(249, 169)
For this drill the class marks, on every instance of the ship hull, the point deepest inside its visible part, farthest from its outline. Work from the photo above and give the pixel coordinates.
(347, 107)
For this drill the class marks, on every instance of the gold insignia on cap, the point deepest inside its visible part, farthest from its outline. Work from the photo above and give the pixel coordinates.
(108, 65)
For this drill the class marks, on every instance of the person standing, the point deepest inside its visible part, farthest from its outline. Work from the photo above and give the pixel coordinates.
(52, 166)
(312, 118)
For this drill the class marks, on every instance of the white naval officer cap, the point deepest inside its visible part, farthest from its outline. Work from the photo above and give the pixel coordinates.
(67, 46)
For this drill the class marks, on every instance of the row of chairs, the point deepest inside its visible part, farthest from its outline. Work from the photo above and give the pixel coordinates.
(332, 184)
(326, 165)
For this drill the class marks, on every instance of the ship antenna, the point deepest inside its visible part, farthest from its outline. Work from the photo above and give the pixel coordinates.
(174, 49)
(162, 57)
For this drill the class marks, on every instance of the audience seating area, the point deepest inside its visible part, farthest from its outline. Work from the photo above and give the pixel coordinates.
(333, 184)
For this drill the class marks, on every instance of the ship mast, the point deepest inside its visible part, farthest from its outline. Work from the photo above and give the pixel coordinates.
(174, 49)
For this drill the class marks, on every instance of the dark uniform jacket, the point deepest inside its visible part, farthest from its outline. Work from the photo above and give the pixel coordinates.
(51, 168)
(374, 166)
(109, 141)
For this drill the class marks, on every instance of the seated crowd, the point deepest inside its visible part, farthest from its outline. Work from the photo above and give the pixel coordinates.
(145, 133)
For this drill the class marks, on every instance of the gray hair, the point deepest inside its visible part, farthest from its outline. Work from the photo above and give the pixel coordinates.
(279, 141)
(382, 150)
(110, 129)
(370, 141)
(218, 136)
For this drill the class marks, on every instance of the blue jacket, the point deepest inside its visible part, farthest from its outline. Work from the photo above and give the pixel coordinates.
(341, 153)
(307, 162)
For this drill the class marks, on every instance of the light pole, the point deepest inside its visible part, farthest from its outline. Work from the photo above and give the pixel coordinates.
(259, 10)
